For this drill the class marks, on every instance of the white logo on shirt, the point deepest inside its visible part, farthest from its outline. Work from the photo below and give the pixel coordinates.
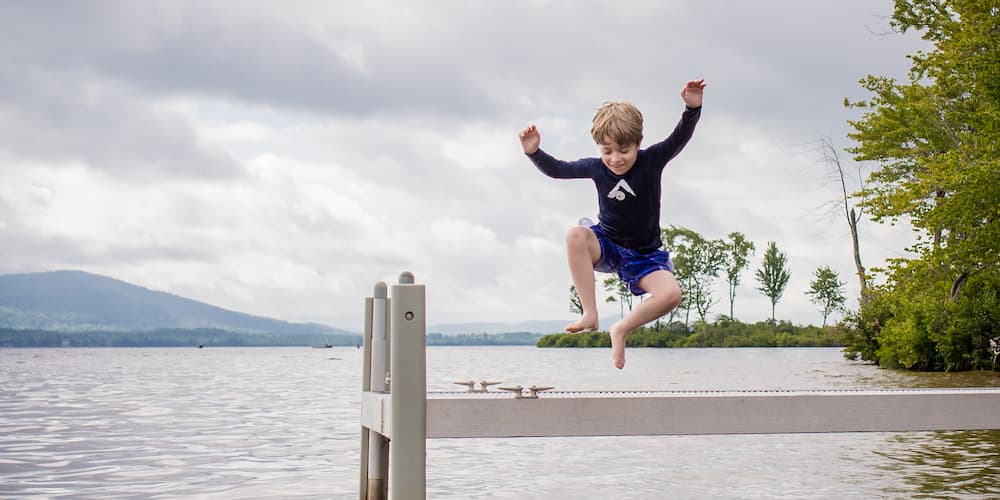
(617, 192)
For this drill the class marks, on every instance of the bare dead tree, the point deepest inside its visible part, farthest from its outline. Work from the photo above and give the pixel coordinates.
(853, 215)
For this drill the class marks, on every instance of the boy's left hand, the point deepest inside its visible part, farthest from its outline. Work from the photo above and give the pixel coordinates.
(693, 92)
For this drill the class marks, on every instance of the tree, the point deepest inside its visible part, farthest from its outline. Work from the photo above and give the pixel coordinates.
(935, 141)
(773, 276)
(676, 240)
(853, 215)
(619, 292)
(827, 291)
(697, 262)
(707, 258)
(736, 259)
(575, 306)
(935, 138)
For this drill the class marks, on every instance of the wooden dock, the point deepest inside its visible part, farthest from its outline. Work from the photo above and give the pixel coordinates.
(398, 415)
(496, 414)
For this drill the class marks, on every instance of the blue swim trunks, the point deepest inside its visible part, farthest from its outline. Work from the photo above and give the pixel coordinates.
(630, 265)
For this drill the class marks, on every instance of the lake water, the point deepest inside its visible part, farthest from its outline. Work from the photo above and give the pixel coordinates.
(284, 423)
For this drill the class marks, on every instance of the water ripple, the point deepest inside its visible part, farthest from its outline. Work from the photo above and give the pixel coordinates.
(283, 423)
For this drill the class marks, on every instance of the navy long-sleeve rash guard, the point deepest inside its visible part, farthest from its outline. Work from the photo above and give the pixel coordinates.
(630, 203)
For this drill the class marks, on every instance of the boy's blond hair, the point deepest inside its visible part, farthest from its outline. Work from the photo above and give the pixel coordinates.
(619, 121)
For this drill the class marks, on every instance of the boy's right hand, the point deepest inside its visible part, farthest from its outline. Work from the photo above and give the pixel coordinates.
(530, 139)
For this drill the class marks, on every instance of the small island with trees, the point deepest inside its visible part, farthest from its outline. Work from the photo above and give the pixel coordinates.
(698, 262)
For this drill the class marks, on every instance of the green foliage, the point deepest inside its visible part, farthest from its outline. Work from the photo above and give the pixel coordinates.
(862, 327)
(510, 338)
(915, 324)
(935, 142)
(827, 291)
(618, 291)
(735, 259)
(724, 332)
(575, 306)
(773, 276)
(697, 263)
(935, 138)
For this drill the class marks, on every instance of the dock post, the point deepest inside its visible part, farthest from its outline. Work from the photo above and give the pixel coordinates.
(408, 460)
(377, 371)
(365, 387)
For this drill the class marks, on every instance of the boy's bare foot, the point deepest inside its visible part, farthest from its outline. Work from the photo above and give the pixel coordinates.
(584, 324)
(618, 347)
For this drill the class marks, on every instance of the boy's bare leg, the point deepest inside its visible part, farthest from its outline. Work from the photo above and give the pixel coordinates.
(582, 252)
(664, 295)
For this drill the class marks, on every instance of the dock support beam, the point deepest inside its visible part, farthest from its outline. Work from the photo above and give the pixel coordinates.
(365, 389)
(408, 452)
(375, 447)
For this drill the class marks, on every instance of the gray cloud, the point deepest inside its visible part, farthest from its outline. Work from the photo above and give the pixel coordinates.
(57, 118)
(384, 138)
(253, 53)
(469, 59)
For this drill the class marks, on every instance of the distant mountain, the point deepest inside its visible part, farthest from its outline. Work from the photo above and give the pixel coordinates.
(76, 301)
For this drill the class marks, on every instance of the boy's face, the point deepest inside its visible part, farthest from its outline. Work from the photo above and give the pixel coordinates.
(618, 158)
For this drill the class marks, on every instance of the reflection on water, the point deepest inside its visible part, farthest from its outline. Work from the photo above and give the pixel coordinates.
(944, 463)
(283, 422)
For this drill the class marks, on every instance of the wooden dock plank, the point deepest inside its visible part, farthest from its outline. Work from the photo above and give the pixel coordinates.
(678, 413)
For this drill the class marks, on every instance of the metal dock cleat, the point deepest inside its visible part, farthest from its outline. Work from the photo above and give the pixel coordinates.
(470, 384)
(516, 390)
(484, 385)
(532, 391)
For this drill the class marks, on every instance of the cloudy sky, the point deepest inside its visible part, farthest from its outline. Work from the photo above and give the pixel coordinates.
(279, 158)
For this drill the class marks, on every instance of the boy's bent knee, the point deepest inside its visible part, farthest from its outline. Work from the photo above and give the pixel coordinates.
(664, 289)
(673, 299)
(671, 296)
(578, 235)
(667, 302)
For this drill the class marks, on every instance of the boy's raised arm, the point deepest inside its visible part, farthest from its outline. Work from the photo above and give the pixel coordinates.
(693, 92)
(531, 144)
(665, 150)
(530, 139)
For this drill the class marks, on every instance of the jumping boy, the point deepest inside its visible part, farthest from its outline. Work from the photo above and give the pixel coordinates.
(626, 239)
